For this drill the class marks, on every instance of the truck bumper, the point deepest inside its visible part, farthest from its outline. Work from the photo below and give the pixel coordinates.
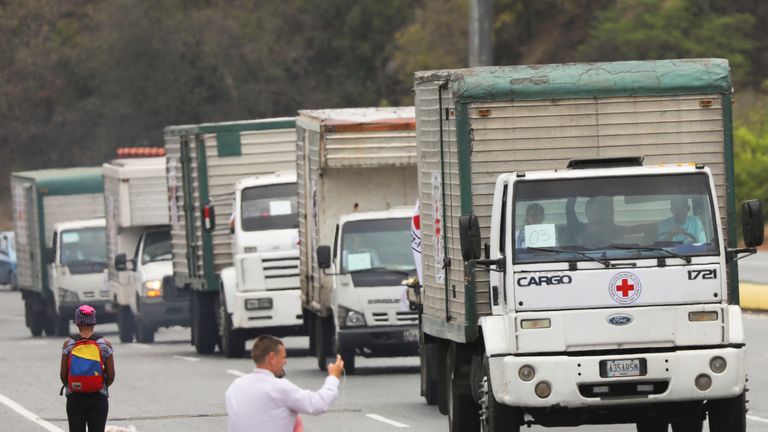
(105, 313)
(576, 381)
(394, 341)
(159, 312)
(284, 312)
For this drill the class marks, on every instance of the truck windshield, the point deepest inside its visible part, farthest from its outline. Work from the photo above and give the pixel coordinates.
(269, 207)
(84, 246)
(381, 245)
(669, 216)
(157, 247)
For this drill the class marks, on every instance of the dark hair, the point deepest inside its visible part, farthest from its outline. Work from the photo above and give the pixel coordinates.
(263, 345)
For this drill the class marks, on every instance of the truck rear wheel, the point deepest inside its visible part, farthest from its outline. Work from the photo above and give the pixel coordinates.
(728, 414)
(428, 370)
(463, 412)
(495, 416)
(125, 324)
(203, 322)
(62, 325)
(232, 344)
(34, 317)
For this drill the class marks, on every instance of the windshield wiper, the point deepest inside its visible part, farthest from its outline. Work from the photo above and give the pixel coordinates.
(380, 269)
(636, 247)
(602, 260)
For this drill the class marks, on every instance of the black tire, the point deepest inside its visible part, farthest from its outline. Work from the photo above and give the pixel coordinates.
(463, 412)
(34, 317)
(693, 425)
(232, 344)
(204, 322)
(442, 382)
(728, 415)
(144, 332)
(125, 324)
(62, 325)
(495, 416)
(348, 355)
(428, 364)
(652, 426)
(323, 341)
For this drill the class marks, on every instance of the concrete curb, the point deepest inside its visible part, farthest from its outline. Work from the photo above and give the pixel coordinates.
(753, 296)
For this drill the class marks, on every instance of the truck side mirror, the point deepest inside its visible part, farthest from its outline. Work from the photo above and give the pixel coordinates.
(469, 236)
(121, 262)
(50, 255)
(753, 226)
(324, 257)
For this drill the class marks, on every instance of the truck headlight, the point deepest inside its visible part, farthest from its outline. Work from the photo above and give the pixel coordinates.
(153, 288)
(258, 303)
(67, 296)
(350, 318)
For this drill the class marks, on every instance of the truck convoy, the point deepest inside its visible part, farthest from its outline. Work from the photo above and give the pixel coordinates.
(607, 291)
(139, 248)
(61, 258)
(356, 172)
(243, 280)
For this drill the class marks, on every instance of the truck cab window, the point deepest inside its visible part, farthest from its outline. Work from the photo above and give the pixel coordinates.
(157, 247)
(83, 246)
(269, 207)
(374, 248)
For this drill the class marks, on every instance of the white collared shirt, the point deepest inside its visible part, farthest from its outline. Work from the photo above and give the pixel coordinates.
(260, 401)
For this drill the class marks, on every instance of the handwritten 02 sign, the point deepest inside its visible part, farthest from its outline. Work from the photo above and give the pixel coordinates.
(540, 235)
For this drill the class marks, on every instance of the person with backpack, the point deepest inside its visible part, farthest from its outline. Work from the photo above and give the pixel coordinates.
(87, 371)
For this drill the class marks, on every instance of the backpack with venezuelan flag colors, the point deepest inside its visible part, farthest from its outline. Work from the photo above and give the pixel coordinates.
(86, 367)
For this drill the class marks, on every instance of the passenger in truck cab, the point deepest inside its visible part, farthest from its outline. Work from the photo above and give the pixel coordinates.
(681, 227)
(534, 215)
(599, 230)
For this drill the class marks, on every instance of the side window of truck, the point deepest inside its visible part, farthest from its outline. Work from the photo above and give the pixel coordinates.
(336, 242)
(503, 230)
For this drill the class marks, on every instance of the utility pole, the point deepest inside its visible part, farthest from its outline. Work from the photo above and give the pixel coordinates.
(480, 32)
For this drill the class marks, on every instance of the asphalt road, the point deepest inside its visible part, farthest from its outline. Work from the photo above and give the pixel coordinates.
(166, 386)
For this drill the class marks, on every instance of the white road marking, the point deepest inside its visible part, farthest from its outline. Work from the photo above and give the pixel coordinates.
(29, 414)
(189, 359)
(387, 421)
(236, 372)
(757, 419)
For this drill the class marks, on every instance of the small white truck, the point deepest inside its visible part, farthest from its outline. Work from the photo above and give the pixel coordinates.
(207, 164)
(61, 258)
(357, 186)
(260, 292)
(139, 248)
(612, 295)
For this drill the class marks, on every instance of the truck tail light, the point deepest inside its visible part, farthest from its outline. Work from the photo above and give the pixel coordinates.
(209, 216)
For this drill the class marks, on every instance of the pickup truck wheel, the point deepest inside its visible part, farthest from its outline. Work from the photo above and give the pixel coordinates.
(728, 414)
(652, 426)
(495, 416)
(125, 324)
(463, 413)
(232, 344)
(203, 322)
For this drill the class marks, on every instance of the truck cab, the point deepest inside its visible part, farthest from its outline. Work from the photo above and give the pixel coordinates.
(260, 293)
(610, 299)
(368, 266)
(77, 258)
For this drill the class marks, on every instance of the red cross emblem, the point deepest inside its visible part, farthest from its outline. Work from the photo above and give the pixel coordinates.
(625, 288)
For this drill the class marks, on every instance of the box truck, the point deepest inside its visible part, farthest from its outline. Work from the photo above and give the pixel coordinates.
(61, 257)
(205, 164)
(567, 280)
(356, 174)
(139, 248)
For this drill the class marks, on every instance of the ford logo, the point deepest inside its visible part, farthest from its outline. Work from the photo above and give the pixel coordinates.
(619, 320)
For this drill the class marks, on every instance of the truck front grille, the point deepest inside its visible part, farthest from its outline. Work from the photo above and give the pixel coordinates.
(407, 317)
(278, 271)
(380, 317)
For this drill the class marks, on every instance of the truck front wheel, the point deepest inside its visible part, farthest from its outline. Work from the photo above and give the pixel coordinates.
(203, 322)
(323, 341)
(62, 325)
(494, 416)
(125, 324)
(728, 414)
(232, 344)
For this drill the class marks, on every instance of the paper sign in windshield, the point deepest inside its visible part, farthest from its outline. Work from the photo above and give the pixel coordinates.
(70, 237)
(280, 208)
(358, 261)
(540, 235)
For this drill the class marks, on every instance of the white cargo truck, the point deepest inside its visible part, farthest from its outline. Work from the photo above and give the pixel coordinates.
(357, 186)
(139, 248)
(61, 257)
(260, 292)
(205, 163)
(612, 295)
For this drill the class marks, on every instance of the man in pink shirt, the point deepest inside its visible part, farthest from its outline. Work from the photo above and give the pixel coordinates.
(264, 400)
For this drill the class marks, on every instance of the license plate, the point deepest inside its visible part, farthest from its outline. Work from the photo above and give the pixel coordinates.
(411, 335)
(622, 368)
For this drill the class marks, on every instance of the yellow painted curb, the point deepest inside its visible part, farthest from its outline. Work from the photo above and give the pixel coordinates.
(753, 296)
